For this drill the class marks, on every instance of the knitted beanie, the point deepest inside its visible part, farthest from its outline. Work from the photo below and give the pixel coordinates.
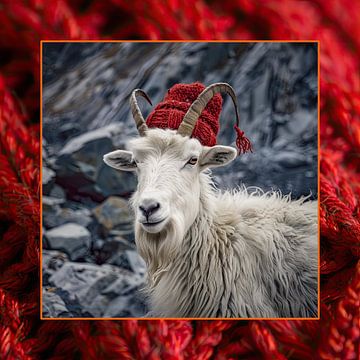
(169, 113)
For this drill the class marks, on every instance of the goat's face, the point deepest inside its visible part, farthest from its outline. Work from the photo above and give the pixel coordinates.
(168, 167)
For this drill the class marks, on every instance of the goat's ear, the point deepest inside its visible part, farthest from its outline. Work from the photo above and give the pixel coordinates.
(121, 160)
(217, 155)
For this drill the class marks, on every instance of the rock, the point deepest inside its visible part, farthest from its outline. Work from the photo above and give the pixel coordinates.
(58, 192)
(57, 216)
(72, 238)
(126, 306)
(52, 260)
(51, 207)
(83, 280)
(80, 216)
(53, 305)
(93, 287)
(114, 213)
(126, 233)
(129, 260)
(124, 286)
(48, 179)
(81, 171)
(107, 251)
(49, 203)
(119, 307)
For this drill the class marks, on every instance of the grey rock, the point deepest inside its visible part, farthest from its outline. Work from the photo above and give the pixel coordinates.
(124, 286)
(94, 286)
(48, 179)
(72, 238)
(58, 192)
(81, 170)
(80, 278)
(97, 305)
(53, 305)
(54, 215)
(49, 202)
(108, 251)
(80, 216)
(53, 260)
(129, 260)
(119, 307)
(51, 207)
(114, 213)
(126, 306)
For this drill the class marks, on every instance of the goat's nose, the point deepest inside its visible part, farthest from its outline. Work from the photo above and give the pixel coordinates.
(148, 207)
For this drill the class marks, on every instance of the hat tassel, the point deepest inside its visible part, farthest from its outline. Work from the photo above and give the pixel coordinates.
(242, 142)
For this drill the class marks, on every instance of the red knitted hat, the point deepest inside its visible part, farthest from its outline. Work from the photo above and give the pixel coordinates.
(170, 112)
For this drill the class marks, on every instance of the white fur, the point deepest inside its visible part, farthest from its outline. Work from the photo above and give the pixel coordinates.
(233, 254)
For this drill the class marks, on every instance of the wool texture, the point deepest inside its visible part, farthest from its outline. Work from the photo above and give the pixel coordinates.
(169, 113)
(335, 23)
(230, 254)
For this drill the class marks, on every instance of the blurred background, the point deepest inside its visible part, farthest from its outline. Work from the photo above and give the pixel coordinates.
(90, 264)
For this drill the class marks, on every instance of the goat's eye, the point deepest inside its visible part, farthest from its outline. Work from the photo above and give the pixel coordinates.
(193, 160)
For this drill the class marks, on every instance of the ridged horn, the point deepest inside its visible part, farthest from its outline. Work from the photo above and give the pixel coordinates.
(189, 121)
(136, 112)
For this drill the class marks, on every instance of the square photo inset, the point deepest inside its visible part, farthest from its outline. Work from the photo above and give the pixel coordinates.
(179, 180)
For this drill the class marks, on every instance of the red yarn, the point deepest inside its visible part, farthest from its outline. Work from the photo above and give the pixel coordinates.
(242, 142)
(170, 112)
(335, 23)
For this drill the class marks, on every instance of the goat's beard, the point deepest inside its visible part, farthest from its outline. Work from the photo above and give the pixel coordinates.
(159, 250)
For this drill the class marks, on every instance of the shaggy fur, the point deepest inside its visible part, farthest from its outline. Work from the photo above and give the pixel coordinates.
(238, 254)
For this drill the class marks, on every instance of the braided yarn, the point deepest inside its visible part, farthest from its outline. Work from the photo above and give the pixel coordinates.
(24, 23)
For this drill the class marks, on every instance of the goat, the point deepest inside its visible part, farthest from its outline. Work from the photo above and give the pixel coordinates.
(232, 254)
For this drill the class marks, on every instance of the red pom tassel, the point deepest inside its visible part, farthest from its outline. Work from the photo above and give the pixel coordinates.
(242, 142)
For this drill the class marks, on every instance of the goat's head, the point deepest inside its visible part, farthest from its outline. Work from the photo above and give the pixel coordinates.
(168, 164)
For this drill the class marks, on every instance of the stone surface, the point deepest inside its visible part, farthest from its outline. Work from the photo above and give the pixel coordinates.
(52, 260)
(71, 238)
(53, 305)
(57, 192)
(48, 179)
(81, 170)
(106, 251)
(57, 216)
(94, 287)
(114, 213)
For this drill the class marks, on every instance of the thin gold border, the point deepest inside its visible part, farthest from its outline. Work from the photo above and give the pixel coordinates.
(180, 41)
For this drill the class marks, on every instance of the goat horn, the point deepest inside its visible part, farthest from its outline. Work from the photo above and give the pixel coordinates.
(189, 121)
(136, 112)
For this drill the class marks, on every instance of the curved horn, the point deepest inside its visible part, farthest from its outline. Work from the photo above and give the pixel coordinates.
(189, 121)
(136, 112)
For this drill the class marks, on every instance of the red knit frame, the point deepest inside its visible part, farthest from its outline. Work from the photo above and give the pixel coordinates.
(335, 24)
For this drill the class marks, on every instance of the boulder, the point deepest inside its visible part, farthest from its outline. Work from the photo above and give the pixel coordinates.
(126, 306)
(107, 251)
(48, 179)
(55, 215)
(129, 260)
(71, 238)
(81, 171)
(52, 260)
(57, 192)
(53, 305)
(94, 287)
(114, 213)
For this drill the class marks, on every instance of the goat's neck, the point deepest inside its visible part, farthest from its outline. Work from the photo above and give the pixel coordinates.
(204, 250)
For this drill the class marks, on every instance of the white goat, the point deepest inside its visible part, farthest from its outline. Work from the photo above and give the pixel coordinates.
(212, 254)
